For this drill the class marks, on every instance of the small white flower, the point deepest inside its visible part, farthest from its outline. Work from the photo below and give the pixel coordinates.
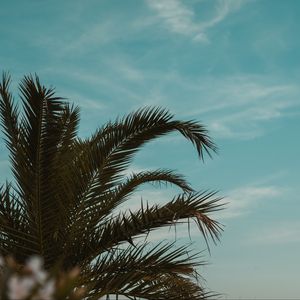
(19, 288)
(46, 292)
(35, 264)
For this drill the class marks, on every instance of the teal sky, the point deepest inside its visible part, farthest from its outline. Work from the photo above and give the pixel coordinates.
(233, 65)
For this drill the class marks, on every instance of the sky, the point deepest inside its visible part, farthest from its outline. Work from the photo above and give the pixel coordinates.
(232, 65)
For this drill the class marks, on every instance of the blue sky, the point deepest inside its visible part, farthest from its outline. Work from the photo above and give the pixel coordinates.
(233, 65)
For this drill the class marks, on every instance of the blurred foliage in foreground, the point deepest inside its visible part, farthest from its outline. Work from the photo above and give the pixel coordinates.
(32, 282)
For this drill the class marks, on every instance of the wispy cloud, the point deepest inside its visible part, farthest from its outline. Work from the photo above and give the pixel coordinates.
(278, 233)
(248, 122)
(233, 107)
(248, 105)
(127, 70)
(84, 102)
(244, 200)
(111, 83)
(239, 106)
(181, 19)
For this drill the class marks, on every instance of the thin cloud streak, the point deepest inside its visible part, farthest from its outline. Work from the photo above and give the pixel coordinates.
(233, 107)
(180, 19)
(276, 234)
(244, 200)
(86, 103)
(238, 107)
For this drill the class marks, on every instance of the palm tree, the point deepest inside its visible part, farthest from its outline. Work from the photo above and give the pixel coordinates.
(62, 204)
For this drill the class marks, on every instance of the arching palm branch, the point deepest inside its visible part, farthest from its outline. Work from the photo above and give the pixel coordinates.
(62, 205)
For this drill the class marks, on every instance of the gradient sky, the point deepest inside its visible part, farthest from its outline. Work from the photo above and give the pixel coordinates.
(233, 65)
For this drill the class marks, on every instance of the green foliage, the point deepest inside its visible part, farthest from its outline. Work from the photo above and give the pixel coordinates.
(66, 191)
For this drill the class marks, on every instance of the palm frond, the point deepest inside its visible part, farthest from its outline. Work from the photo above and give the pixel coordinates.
(127, 226)
(16, 234)
(140, 127)
(9, 115)
(33, 144)
(196, 206)
(100, 206)
(171, 286)
(64, 201)
(140, 271)
(111, 149)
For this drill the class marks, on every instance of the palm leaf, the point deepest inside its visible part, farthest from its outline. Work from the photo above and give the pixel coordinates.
(126, 227)
(64, 203)
(139, 271)
(111, 149)
(100, 206)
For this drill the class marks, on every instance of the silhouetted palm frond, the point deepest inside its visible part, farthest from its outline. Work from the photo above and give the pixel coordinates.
(65, 201)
